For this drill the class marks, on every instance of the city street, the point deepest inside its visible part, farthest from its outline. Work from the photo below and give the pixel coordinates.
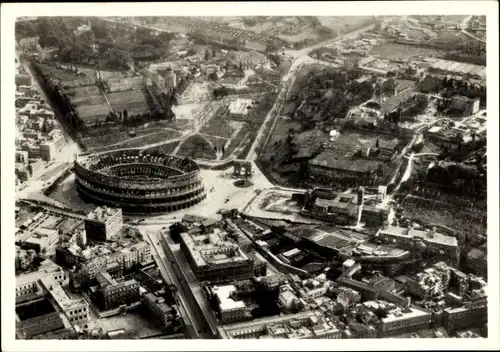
(189, 282)
(186, 307)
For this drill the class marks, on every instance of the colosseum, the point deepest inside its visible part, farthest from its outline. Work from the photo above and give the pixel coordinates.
(139, 182)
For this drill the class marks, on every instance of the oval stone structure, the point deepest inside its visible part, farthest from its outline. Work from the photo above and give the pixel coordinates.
(139, 182)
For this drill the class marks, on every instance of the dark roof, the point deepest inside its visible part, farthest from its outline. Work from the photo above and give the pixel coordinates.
(392, 104)
(193, 218)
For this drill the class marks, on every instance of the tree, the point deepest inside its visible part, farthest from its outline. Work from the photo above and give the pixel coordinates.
(213, 76)
(208, 55)
(221, 92)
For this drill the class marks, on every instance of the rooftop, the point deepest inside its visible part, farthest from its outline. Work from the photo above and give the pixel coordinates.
(103, 213)
(47, 267)
(226, 302)
(398, 314)
(300, 325)
(212, 249)
(393, 102)
(459, 68)
(427, 236)
(164, 307)
(57, 292)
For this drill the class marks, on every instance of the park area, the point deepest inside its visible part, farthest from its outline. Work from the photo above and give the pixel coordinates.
(133, 101)
(219, 125)
(89, 103)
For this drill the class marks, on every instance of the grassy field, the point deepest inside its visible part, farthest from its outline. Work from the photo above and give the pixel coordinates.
(91, 112)
(123, 140)
(219, 125)
(217, 142)
(197, 147)
(110, 138)
(162, 136)
(338, 23)
(110, 74)
(445, 217)
(451, 38)
(134, 101)
(81, 94)
(308, 33)
(89, 102)
(396, 51)
(167, 148)
(56, 73)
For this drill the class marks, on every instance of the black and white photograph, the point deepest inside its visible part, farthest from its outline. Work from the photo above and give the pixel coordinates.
(223, 174)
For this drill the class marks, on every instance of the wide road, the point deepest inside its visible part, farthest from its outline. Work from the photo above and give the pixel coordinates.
(464, 29)
(187, 308)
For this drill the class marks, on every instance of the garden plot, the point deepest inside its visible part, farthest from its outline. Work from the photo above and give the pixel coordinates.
(134, 101)
(89, 102)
